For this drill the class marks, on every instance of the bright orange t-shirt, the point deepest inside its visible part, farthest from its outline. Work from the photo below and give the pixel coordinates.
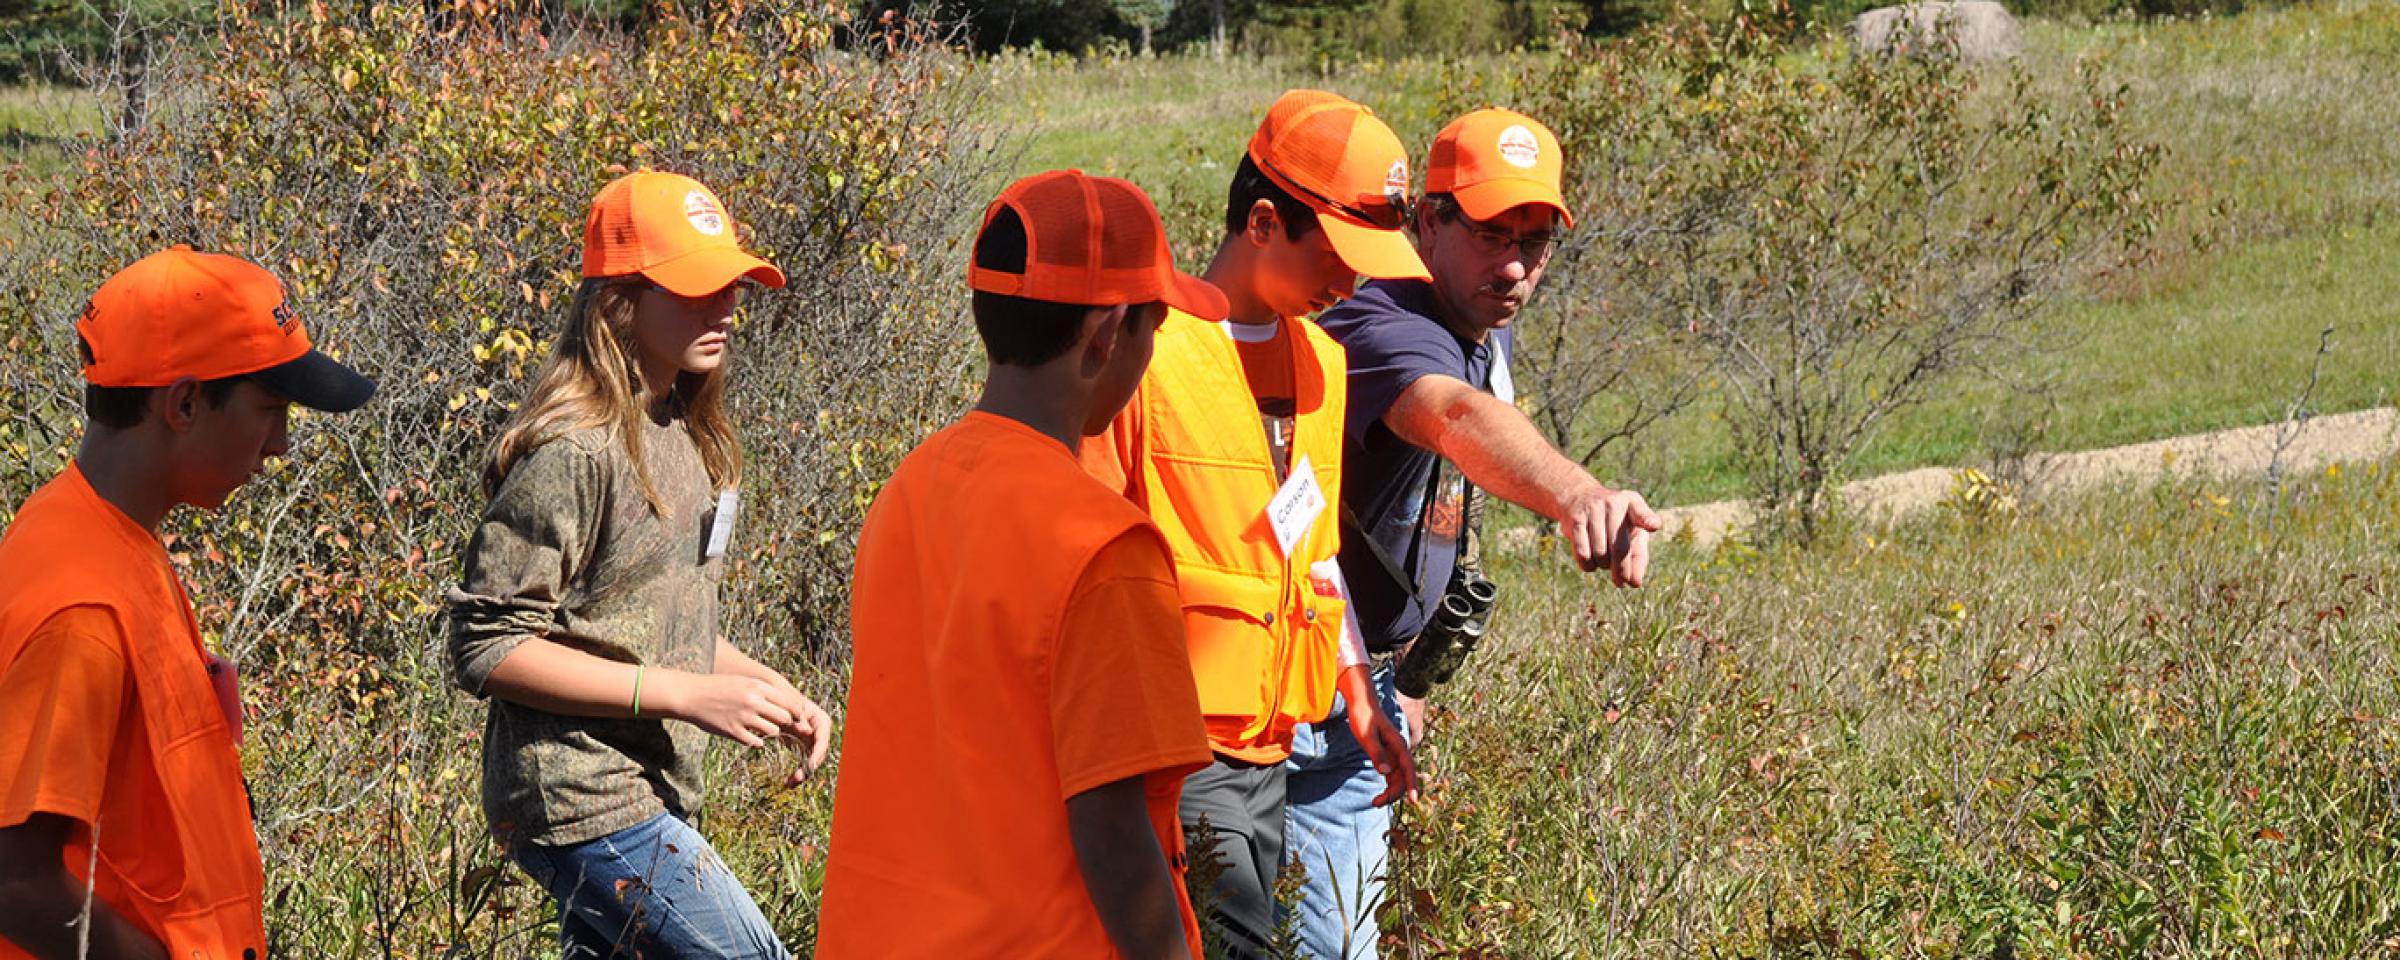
(1018, 640)
(107, 718)
(1267, 364)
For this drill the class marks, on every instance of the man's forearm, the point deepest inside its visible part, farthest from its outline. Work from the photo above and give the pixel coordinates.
(1501, 451)
(1125, 871)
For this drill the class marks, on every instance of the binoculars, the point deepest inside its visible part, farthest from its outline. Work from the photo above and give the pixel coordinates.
(1456, 627)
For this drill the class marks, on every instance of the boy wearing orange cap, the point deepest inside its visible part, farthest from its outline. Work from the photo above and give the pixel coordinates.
(1233, 445)
(1424, 426)
(1021, 710)
(124, 824)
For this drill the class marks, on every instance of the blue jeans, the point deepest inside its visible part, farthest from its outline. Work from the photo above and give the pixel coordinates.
(653, 890)
(1334, 831)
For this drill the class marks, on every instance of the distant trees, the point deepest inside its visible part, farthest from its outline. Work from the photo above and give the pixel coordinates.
(1373, 27)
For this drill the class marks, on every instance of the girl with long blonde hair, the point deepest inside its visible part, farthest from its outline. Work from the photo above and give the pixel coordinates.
(588, 609)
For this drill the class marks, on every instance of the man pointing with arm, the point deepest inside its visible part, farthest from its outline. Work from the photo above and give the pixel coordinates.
(1423, 427)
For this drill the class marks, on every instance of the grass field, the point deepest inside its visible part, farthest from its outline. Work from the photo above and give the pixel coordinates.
(2157, 721)
(36, 121)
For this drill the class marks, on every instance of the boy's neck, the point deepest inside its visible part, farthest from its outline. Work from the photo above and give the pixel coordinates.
(1038, 397)
(126, 471)
(1234, 270)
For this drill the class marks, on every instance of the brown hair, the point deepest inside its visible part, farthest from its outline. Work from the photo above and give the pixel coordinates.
(593, 379)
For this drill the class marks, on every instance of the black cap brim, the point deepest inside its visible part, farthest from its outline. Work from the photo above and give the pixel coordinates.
(318, 382)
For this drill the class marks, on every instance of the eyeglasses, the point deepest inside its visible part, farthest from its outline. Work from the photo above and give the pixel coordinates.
(1535, 249)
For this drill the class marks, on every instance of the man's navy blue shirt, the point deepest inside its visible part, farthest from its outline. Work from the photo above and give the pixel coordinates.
(1392, 336)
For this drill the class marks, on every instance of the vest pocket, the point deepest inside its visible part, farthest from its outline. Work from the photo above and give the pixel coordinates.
(1225, 619)
(200, 870)
(216, 906)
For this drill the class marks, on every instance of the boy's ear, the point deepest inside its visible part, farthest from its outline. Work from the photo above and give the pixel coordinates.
(1264, 222)
(1103, 330)
(177, 404)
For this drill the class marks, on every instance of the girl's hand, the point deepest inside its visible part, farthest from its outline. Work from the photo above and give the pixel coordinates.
(811, 727)
(746, 710)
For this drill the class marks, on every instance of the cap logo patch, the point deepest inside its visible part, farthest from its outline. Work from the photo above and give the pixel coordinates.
(704, 213)
(285, 319)
(1519, 147)
(1395, 183)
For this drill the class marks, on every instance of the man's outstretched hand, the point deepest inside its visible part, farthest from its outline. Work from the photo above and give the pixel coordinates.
(1611, 529)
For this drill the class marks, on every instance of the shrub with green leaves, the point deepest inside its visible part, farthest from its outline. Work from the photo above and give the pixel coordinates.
(1833, 237)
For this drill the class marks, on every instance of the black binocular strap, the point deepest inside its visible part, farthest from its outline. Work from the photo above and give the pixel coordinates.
(1407, 582)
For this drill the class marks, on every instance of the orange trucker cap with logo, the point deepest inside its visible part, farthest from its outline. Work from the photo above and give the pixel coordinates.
(1094, 241)
(1493, 160)
(669, 228)
(180, 313)
(1336, 157)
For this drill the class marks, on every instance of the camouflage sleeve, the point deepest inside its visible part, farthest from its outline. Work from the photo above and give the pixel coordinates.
(536, 534)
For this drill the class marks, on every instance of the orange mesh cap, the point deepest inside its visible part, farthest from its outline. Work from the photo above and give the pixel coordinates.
(1094, 241)
(1335, 156)
(669, 228)
(179, 313)
(1493, 160)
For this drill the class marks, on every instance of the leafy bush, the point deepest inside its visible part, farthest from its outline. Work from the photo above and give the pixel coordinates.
(418, 175)
(1838, 237)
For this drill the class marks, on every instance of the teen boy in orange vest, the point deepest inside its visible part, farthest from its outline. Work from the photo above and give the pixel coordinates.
(1021, 713)
(1233, 445)
(122, 729)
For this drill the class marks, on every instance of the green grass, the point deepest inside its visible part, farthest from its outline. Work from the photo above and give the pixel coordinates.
(36, 121)
(2232, 347)
(2154, 721)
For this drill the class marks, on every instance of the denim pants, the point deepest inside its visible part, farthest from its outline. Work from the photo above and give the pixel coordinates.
(653, 890)
(1334, 831)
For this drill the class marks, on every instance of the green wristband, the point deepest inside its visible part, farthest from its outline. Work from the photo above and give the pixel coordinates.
(637, 689)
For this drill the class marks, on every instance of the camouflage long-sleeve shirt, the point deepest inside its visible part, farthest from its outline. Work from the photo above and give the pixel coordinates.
(571, 552)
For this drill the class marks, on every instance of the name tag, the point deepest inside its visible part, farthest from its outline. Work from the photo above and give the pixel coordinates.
(1295, 507)
(720, 526)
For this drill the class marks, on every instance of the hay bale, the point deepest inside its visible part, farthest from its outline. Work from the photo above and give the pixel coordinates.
(1973, 30)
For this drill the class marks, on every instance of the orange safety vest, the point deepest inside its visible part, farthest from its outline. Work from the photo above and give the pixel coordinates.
(181, 861)
(1264, 628)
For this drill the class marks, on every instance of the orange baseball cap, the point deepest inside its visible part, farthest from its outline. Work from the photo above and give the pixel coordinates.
(1095, 241)
(1336, 157)
(671, 229)
(1492, 160)
(179, 313)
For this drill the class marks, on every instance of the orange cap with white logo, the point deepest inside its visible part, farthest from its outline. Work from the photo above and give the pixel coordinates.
(1335, 156)
(671, 229)
(1493, 160)
(180, 313)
